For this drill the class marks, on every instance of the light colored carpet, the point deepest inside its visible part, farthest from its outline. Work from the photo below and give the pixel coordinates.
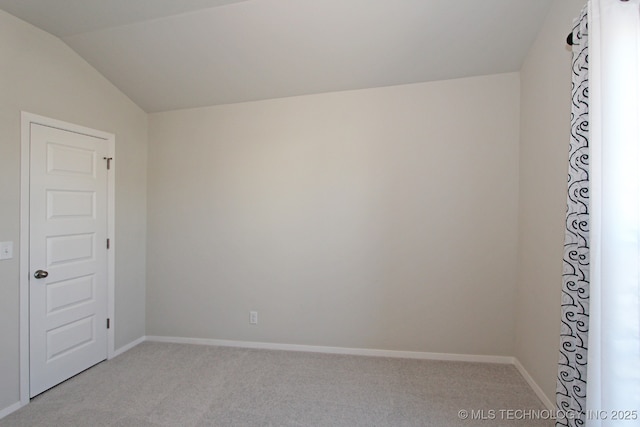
(159, 384)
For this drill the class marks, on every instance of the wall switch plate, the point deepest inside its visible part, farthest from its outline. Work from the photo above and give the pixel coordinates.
(6, 250)
(253, 317)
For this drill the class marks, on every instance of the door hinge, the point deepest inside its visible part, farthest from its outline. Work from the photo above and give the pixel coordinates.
(108, 243)
(108, 159)
(108, 323)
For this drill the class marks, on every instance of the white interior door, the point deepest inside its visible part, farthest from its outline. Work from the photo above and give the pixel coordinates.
(67, 255)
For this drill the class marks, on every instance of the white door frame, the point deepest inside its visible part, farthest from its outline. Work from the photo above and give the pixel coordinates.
(26, 120)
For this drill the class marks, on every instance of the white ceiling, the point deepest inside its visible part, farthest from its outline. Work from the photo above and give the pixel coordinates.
(171, 54)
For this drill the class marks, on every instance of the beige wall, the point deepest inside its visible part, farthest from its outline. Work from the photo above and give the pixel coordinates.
(381, 218)
(41, 75)
(544, 143)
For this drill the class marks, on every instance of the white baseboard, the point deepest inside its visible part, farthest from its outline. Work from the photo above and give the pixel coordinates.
(534, 386)
(128, 347)
(6, 411)
(337, 350)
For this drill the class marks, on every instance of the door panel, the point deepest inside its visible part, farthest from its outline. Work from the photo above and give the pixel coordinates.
(70, 293)
(68, 231)
(70, 249)
(69, 160)
(71, 204)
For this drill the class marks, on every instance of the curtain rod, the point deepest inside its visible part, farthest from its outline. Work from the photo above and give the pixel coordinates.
(570, 36)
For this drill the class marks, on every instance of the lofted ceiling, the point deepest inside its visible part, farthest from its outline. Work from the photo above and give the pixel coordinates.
(172, 54)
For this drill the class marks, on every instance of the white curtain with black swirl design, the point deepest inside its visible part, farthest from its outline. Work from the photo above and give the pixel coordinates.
(601, 277)
(572, 372)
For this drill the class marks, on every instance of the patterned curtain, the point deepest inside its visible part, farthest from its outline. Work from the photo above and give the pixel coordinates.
(572, 369)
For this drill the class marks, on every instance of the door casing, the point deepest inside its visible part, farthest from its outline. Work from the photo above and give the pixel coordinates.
(26, 120)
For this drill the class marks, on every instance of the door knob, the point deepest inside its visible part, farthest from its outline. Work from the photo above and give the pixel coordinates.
(40, 274)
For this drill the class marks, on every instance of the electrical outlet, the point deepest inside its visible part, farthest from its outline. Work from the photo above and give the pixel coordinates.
(6, 250)
(253, 317)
